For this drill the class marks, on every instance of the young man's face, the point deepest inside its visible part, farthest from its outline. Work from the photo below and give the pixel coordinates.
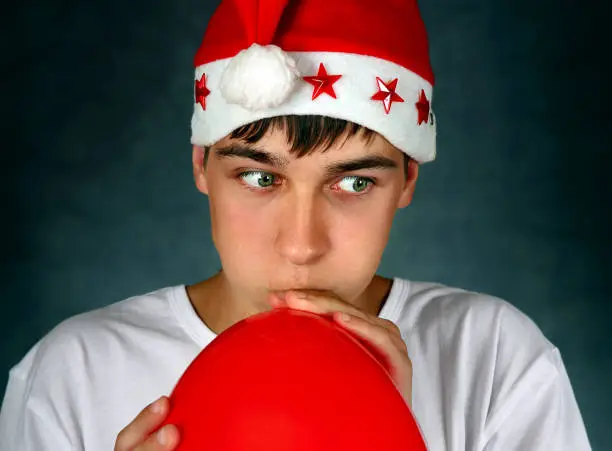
(319, 222)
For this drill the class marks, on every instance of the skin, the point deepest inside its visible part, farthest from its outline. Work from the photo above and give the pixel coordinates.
(311, 238)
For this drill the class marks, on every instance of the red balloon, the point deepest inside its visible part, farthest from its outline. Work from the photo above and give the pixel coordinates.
(287, 380)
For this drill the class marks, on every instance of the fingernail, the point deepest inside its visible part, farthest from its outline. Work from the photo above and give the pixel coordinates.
(156, 407)
(299, 294)
(345, 317)
(162, 436)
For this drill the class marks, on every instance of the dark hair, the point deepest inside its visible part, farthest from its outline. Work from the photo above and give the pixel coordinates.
(306, 133)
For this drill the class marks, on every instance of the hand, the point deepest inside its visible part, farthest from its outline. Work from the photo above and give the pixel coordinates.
(383, 334)
(143, 434)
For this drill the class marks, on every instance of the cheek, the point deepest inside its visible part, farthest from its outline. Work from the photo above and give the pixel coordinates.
(362, 235)
(235, 223)
(240, 232)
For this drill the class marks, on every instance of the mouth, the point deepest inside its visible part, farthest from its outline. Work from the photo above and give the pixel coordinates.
(312, 290)
(300, 288)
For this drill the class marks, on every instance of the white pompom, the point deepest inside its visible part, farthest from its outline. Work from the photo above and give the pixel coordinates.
(259, 77)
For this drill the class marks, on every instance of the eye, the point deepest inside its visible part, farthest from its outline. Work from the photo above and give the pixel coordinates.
(354, 184)
(258, 179)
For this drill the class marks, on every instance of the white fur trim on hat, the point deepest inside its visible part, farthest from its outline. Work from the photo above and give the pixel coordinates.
(226, 111)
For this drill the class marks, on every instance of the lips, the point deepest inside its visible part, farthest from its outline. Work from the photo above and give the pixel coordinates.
(311, 289)
(320, 291)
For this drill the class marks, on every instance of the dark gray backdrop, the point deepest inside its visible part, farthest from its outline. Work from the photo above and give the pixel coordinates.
(100, 203)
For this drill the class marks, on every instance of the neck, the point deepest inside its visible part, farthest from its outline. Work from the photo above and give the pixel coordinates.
(221, 305)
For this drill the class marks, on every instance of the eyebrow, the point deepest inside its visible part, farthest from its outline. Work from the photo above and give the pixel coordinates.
(371, 162)
(261, 156)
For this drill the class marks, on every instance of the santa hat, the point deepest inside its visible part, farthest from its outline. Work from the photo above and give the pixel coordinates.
(364, 61)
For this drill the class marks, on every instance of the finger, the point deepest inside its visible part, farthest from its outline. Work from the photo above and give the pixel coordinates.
(327, 304)
(322, 304)
(395, 331)
(165, 439)
(391, 347)
(146, 422)
(389, 344)
(376, 334)
(390, 326)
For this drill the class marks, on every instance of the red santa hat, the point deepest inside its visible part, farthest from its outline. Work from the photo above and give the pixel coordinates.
(365, 61)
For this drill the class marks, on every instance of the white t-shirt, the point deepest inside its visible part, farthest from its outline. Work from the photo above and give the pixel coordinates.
(485, 377)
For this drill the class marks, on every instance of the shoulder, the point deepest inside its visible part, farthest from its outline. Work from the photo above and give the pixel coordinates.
(483, 353)
(431, 305)
(478, 325)
(82, 366)
(75, 339)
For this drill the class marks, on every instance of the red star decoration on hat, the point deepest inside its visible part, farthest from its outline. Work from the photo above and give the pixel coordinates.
(386, 93)
(201, 91)
(323, 83)
(423, 108)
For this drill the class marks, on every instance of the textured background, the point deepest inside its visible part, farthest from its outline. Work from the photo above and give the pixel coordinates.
(100, 203)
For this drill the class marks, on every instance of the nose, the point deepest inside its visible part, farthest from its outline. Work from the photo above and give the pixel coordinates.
(302, 237)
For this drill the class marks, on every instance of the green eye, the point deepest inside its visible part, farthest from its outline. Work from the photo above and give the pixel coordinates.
(258, 179)
(354, 184)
